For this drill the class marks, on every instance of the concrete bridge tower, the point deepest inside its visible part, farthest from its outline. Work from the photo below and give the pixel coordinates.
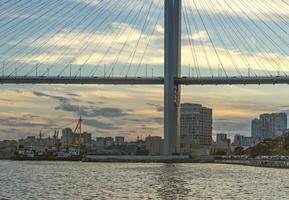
(172, 71)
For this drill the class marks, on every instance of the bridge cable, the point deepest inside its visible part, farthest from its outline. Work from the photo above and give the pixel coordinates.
(256, 36)
(42, 34)
(12, 7)
(89, 37)
(106, 28)
(240, 36)
(280, 27)
(278, 11)
(27, 27)
(192, 43)
(135, 31)
(132, 30)
(116, 34)
(149, 41)
(210, 38)
(80, 22)
(253, 35)
(138, 41)
(220, 24)
(38, 7)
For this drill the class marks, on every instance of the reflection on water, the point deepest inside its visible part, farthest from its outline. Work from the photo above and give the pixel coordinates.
(69, 180)
(169, 184)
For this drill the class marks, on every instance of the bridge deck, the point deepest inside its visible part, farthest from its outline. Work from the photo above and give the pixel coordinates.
(146, 81)
(234, 80)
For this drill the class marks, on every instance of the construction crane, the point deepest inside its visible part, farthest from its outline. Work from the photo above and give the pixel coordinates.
(77, 129)
(78, 132)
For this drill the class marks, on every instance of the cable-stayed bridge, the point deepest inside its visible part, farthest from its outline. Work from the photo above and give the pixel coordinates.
(146, 81)
(159, 42)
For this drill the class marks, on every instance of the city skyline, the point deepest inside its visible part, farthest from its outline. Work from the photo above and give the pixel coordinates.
(112, 108)
(144, 99)
(71, 109)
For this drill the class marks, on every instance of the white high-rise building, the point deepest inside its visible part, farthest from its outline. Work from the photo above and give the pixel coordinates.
(196, 124)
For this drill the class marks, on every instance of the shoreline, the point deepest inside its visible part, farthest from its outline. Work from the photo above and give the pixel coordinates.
(256, 163)
(252, 163)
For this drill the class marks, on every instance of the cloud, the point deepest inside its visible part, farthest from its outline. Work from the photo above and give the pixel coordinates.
(158, 120)
(68, 46)
(90, 111)
(160, 29)
(96, 55)
(86, 110)
(99, 124)
(59, 98)
(40, 94)
(254, 9)
(158, 107)
(72, 94)
(232, 126)
(26, 121)
(200, 36)
(227, 103)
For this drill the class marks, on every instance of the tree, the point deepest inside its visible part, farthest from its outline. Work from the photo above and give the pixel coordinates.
(262, 148)
(238, 151)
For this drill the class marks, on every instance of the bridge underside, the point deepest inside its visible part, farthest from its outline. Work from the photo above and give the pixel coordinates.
(147, 81)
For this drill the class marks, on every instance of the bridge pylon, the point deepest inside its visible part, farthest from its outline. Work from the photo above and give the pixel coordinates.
(172, 71)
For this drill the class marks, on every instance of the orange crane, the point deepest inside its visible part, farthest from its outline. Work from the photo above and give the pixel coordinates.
(77, 132)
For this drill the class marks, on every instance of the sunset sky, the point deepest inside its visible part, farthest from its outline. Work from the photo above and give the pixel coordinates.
(124, 36)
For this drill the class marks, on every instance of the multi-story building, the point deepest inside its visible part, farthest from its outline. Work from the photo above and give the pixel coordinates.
(119, 140)
(272, 125)
(222, 144)
(85, 138)
(68, 137)
(243, 141)
(71, 138)
(154, 145)
(109, 141)
(38, 143)
(222, 139)
(196, 125)
(256, 128)
(100, 143)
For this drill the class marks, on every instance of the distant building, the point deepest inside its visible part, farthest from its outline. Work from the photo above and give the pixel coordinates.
(85, 138)
(269, 125)
(68, 137)
(131, 148)
(37, 144)
(243, 141)
(196, 126)
(119, 141)
(272, 125)
(256, 128)
(31, 138)
(100, 143)
(154, 145)
(222, 144)
(223, 140)
(109, 141)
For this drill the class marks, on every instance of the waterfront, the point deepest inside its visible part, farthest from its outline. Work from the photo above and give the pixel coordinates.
(77, 180)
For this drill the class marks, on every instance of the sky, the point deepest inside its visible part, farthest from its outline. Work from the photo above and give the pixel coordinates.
(121, 38)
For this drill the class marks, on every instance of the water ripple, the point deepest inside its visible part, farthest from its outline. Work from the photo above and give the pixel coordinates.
(76, 180)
